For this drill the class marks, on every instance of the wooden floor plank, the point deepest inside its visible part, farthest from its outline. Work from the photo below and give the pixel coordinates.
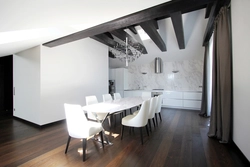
(179, 140)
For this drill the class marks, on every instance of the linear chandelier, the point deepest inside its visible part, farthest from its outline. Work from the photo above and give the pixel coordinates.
(125, 52)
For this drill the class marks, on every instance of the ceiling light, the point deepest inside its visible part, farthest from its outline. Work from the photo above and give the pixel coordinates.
(125, 52)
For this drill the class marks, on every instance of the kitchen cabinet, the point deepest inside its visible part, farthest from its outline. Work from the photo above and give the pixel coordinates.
(182, 99)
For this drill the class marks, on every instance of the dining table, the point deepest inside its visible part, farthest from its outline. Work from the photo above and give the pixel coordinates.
(113, 106)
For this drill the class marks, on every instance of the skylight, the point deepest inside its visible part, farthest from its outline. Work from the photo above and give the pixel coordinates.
(143, 34)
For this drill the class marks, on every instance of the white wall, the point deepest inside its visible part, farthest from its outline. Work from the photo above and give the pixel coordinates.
(26, 80)
(46, 78)
(69, 73)
(241, 77)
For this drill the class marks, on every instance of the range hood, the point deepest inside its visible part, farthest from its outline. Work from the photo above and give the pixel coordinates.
(158, 65)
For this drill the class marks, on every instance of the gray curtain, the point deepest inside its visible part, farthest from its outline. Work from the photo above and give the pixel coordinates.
(203, 111)
(221, 119)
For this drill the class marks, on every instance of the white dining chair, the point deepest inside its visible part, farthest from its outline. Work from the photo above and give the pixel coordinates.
(158, 108)
(117, 96)
(107, 97)
(79, 127)
(139, 120)
(91, 115)
(152, 109)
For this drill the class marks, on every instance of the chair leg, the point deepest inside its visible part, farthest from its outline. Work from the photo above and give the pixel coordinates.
(141, 135)
(156, 119)
(114, 120)
(122, 132)
(154, 122)
(149, 123)
(66, 150)
(147, 129)
(160, 116)
(101, 134)
(84, 145)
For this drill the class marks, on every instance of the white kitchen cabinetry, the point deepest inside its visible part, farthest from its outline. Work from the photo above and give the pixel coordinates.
(182, 99)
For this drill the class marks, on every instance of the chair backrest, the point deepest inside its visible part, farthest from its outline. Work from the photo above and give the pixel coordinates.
(117, 96)
(159, 103)
(107, 97)
(146, 95)
(75, 119)
(91, 100)
(153, 107)
(141, 119)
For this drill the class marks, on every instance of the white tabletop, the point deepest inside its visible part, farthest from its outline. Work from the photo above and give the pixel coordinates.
(114, 105)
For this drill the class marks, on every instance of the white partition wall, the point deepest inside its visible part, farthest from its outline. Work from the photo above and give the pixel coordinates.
(45, 78)
(26, 82)
(241, 76)
(69, 73)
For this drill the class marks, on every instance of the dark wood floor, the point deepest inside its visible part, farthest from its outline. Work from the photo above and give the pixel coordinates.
(179, 140)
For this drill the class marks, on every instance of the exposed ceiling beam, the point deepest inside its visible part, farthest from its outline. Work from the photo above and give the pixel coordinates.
(106, 40)
(150, 29)
(208, 10)
(109, 35)
(155, 24)
(156, 12)
(213, 13)
(121, 34)
(209, 28)
(176, 18)
(132, 28)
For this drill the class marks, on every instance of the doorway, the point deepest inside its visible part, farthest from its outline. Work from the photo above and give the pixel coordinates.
(6, 86)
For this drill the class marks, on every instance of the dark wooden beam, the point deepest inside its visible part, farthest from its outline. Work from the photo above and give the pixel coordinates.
(213, 13)
(109, 35)
(106, 40)
(162, 10)
(178, 28)
(208, 10)
(132, 28)
(121, 34)
(150, 29)
(209, 28)
(155, 24)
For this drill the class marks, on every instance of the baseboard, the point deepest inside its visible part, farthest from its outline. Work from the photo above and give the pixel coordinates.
(237, 152)
(39, 126)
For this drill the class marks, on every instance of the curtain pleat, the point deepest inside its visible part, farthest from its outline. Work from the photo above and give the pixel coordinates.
(220, 121)
(203, 111)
